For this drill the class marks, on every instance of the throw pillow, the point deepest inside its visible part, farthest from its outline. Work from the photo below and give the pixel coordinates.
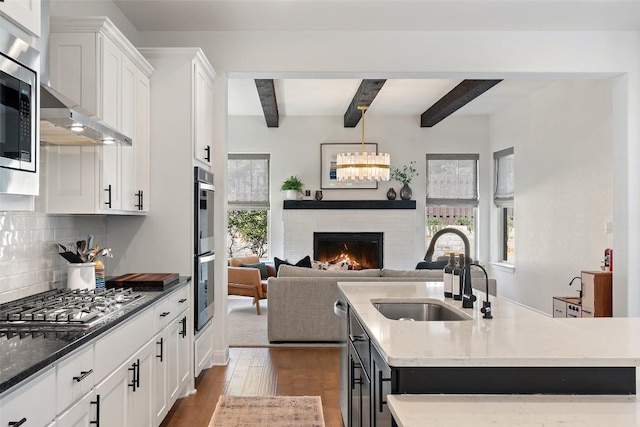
(319, 265)
(304, 262)
(264, 273)
(431, 265)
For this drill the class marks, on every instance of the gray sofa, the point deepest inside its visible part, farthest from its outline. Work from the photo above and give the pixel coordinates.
(301, 299)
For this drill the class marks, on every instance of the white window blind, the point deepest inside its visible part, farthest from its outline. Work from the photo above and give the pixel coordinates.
(503, 194)
(248, 181)
(452, 179)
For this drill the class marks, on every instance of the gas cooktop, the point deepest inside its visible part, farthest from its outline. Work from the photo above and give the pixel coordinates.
(64, 308)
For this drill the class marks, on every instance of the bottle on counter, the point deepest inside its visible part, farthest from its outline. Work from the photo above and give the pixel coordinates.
(457, 278)
(448, 275)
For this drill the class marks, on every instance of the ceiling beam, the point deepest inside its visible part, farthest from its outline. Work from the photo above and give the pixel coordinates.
(267, 94)
(465, 92)
(365, 95)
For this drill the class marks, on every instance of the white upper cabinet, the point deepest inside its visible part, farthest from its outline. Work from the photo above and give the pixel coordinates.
(24, 13)
(203, 95)
(93, 64)
(182, 88)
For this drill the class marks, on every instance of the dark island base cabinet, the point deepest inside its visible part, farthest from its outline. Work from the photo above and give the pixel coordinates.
(381, 387)
(359, 391)
(515, 380)
(371, 380)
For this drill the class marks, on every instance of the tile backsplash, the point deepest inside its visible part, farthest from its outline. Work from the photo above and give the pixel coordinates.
(29, 260)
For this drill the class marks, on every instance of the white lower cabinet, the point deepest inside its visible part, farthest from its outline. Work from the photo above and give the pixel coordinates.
(126, 396)
(129, 377)
(161, 373)
(140, 397)
(171, 368)
(111, 395)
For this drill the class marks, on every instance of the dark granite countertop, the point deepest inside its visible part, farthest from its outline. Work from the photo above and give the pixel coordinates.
(24, 352)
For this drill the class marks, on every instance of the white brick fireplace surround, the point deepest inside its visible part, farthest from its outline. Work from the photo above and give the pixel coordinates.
(398, 226)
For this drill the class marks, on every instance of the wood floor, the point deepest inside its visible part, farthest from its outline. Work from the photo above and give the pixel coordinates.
(264, 372)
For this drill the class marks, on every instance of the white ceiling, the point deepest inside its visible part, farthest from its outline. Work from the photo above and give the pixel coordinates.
(398, 97)
(309, 97)
(381, 15)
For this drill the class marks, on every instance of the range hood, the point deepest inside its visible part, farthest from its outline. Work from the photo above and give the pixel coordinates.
(64, 122)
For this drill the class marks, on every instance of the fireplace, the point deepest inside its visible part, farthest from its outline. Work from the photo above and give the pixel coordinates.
(360, 250)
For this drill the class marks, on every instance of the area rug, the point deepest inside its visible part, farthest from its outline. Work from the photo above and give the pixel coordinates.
(272, 411)
(246, 328)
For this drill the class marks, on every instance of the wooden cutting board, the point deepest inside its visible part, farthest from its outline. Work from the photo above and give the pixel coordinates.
(144, 280)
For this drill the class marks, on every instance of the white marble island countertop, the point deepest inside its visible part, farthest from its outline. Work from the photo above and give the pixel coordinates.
(516, 336)
(514, 410)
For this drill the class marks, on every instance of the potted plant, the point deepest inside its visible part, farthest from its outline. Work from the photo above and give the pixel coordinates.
(404, 175)
(293, 187)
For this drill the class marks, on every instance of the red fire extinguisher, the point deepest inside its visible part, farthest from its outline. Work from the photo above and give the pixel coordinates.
(608, 259)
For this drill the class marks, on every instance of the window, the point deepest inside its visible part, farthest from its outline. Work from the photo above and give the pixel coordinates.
(503, 199)
(248, 199)
(452, 200)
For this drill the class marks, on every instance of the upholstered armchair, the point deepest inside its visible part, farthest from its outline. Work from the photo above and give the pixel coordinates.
(248, 281)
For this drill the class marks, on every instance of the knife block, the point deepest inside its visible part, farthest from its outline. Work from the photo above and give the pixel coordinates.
(81, 276)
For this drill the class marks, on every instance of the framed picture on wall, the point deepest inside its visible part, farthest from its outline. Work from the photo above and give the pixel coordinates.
(328, 177)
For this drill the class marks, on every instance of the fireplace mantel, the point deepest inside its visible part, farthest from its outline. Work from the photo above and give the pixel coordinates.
(349, 204)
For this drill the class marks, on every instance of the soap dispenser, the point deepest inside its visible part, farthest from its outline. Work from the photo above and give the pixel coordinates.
(448, 275)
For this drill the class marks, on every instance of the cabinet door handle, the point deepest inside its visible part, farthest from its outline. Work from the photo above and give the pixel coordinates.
(183, 332)
(108, 190)
(17, 423)
(355, 365)
(355, 338)
(161, 344)
(381, 400)
(83, 375)
(140, 196)
(207, 151)
(133, 384)
(165, 314)
(97, 403)
(138, 373)
(182, 300)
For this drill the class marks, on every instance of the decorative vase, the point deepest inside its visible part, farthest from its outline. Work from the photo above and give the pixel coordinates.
(318, 195)
(391, 194)
(405, 192)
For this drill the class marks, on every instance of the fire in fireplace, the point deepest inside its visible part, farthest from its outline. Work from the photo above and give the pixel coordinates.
(359, 250)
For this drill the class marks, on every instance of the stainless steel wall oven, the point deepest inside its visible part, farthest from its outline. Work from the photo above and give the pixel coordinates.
(19, 65)
(204, 255)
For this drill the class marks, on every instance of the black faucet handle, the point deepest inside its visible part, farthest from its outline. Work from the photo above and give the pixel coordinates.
(486, 310)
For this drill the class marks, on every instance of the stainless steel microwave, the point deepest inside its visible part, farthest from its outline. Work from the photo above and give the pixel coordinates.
(19, 65)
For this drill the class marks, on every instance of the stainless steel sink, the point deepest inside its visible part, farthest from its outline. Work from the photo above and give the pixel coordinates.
(419, 311)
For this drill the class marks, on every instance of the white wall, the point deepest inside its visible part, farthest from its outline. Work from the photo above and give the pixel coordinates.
(295, 150)
(562, 139)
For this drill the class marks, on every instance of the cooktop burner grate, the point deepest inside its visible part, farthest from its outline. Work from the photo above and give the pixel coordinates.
(66, 307)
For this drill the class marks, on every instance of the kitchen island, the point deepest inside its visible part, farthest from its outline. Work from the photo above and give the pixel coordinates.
(518, 351)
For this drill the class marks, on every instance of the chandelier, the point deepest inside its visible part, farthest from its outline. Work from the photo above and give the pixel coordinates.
(363, 166)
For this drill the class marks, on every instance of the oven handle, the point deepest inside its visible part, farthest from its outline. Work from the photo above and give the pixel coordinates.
(206, 186)
(206, 258)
